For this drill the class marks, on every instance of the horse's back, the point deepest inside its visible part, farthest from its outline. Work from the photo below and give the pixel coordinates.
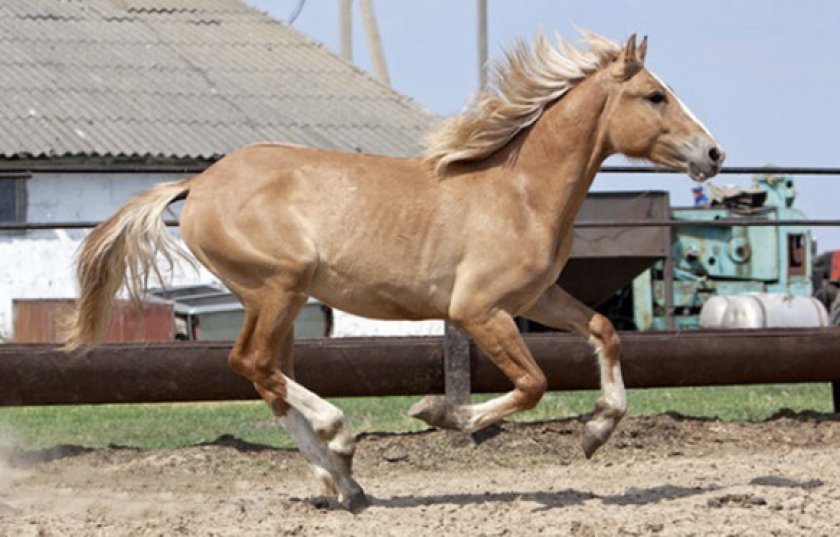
(276, 210)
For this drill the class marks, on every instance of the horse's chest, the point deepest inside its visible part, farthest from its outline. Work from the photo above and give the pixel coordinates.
(541, 268)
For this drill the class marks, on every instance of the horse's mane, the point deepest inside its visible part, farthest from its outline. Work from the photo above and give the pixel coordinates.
(531, 77)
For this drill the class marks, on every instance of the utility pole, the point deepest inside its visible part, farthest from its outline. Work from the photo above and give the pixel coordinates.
(377, 55)
(482, 44)
(345, 11)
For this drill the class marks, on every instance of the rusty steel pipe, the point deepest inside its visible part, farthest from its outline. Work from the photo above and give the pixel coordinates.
(39, 374)
(683, 358)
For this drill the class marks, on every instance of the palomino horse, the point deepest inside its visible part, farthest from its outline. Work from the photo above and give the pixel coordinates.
(475, 232)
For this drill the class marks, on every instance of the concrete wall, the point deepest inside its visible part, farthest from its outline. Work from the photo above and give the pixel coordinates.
(57, 197)
(40, 264)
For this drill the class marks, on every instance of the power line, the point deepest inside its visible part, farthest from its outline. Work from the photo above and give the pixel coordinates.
(293, 17)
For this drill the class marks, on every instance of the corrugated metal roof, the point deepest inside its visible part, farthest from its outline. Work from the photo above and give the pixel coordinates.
(182, 79)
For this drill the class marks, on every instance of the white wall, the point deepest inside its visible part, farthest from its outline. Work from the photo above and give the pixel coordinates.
(61, 197)
(43, 268)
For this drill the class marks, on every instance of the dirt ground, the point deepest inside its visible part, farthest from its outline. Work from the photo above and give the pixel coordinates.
(662, 475)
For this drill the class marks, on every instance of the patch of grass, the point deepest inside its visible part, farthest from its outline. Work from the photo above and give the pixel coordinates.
(156, 426)
(148, 426)
(729, 403)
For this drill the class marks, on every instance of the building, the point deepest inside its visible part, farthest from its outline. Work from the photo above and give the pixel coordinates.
(103, 98)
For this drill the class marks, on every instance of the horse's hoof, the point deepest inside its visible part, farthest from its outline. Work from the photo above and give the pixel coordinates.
(596, 432)
(321, 502)
(590, 444)
(357, 503)
(431, 409)
(437, 412)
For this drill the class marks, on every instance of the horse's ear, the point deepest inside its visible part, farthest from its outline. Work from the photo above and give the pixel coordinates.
(630, 49)
(641, 51)
(628, 60)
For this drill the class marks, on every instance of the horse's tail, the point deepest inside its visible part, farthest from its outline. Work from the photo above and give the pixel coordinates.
(122, 251)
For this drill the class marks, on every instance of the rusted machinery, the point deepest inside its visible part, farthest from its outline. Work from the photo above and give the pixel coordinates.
(700, 261)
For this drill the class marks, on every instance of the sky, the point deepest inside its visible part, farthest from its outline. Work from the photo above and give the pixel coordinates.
(762, 75)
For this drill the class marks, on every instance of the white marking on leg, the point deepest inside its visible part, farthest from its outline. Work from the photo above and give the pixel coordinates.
(311, 447)
(327, 482)
(613, 391)
(483, 414)
(327, 420)
(330, 472)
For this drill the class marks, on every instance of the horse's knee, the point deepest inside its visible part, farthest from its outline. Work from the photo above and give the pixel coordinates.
(532, 388)
(607, 338)
(239, 364)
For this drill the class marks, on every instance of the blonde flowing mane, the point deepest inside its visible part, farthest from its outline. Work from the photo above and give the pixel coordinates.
(533, 76)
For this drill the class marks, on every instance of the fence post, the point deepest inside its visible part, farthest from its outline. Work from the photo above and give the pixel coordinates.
(456, 365)
(835, 396)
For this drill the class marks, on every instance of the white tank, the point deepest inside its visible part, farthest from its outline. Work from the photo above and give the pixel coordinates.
(763, 310)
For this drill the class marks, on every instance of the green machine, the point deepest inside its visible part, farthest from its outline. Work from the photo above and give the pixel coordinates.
(706, 261)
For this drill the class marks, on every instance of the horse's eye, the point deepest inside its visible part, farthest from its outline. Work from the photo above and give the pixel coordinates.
(656, 97)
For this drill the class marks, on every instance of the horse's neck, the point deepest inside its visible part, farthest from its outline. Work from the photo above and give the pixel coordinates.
(559, 156)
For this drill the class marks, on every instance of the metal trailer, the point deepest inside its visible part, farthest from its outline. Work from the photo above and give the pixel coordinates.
(209, 313)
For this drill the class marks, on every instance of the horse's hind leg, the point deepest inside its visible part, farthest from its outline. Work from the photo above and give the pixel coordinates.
(331, 459)
(298, 428)
(317, 426)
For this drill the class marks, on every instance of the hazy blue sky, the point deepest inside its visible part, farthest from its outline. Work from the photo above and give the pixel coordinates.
(764, 76)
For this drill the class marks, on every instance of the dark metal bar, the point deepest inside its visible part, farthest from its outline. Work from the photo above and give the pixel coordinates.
(39, 374)
(723, 222)
(49, 166)
(198, 167)
(732, 170)
(668, 276)
(34, 226)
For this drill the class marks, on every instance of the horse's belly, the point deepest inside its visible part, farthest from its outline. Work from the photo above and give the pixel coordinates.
(385, 297)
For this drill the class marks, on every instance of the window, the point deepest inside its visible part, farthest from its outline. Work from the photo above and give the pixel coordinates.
(13, 197)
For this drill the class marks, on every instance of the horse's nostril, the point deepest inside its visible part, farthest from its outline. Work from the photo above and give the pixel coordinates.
(714, 154)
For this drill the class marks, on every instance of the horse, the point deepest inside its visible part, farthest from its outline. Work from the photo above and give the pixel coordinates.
(474, 231)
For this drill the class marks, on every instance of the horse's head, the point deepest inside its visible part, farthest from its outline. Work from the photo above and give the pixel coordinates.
(647, 120)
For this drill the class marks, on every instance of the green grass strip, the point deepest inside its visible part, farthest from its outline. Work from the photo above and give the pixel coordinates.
(155, 426)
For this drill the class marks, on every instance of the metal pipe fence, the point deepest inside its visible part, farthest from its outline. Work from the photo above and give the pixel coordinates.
(50, 167)
(723, 222)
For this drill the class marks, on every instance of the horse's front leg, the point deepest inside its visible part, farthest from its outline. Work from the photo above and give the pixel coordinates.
(495, 333)
(558, 309)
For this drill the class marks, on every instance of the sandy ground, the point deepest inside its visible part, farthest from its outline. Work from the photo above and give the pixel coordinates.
(661, 475)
